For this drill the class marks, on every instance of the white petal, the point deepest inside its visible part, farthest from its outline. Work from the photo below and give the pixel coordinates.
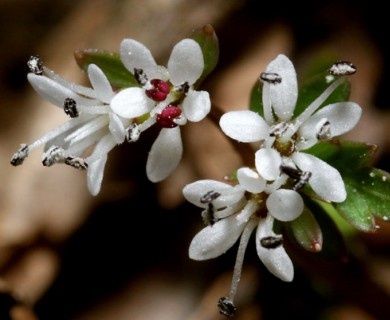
(186, 62)
(250, 180)
(244, 126)
(54, 92)
(325, 180)
(117, 128)
(196, 105)
(135, 55)
(229, 195)
(95, 175)
(285, 205)
(165, 154)
(215, 240)
(131, 103)
(275, 260)
(283, 95)
(100, 83)
(342, 117)
(268, 163)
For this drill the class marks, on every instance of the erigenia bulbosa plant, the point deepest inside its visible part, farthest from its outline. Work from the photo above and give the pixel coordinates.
(298, 172)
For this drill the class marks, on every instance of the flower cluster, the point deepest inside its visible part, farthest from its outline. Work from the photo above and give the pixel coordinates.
(104, 118)
(270, 195)
(270, 190)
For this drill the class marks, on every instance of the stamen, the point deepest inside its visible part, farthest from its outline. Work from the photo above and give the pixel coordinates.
(311, 109)
(267, 108)
(270, 77)
(300, 177)
(209, 196)
(53, 155)
(246, 234)
(279, 129)
(19, 156)
(35, 65)
(208, 215)
(226, 307)
(133, 133)
(271, 242)
(324, 132)
(342, 68)
(70, 108)
(183, 88)
(76, 162)
(140, 76)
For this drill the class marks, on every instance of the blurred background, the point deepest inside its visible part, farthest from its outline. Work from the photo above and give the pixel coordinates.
(123, 254)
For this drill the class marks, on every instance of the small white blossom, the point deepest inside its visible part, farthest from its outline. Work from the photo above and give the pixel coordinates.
(167, 94)
(92, 123)
(233, 212)
(283, 137)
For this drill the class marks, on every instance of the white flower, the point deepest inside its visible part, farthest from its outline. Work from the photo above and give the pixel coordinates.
(284, 137)
(167, 94)
(92, 123)
(232, 212)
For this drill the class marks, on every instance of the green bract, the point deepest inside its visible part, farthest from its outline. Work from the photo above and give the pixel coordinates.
(208, 42)
(110, 63)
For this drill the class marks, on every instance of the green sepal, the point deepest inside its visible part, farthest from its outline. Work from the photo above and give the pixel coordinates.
(110, 63)
(208, 42)
(368, 196)
(307, 231)
(344, 155)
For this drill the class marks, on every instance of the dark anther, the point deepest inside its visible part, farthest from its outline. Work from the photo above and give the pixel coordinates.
(270, 77)
(271, 242)
(70, 108)
(183, 88)
(208, 216)
(278, 129)
(18, 158)
(342, 68)
(324, 132)
(209, 196)
(76, 162)
(226, 307)
(132, 133)
(35, 65)
(140, 76)
(53, 155)
(300, 177)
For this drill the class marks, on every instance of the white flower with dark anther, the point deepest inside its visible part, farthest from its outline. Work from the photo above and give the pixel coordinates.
(283, 137)
(92, 122)
(172, 89)
(233, 212)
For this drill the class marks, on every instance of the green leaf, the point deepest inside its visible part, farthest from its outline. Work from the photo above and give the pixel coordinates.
(256, 101)
(111, 65)
(344, 155)
(307, 231)
(368, 196)
(312, 88)
(208, 41)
